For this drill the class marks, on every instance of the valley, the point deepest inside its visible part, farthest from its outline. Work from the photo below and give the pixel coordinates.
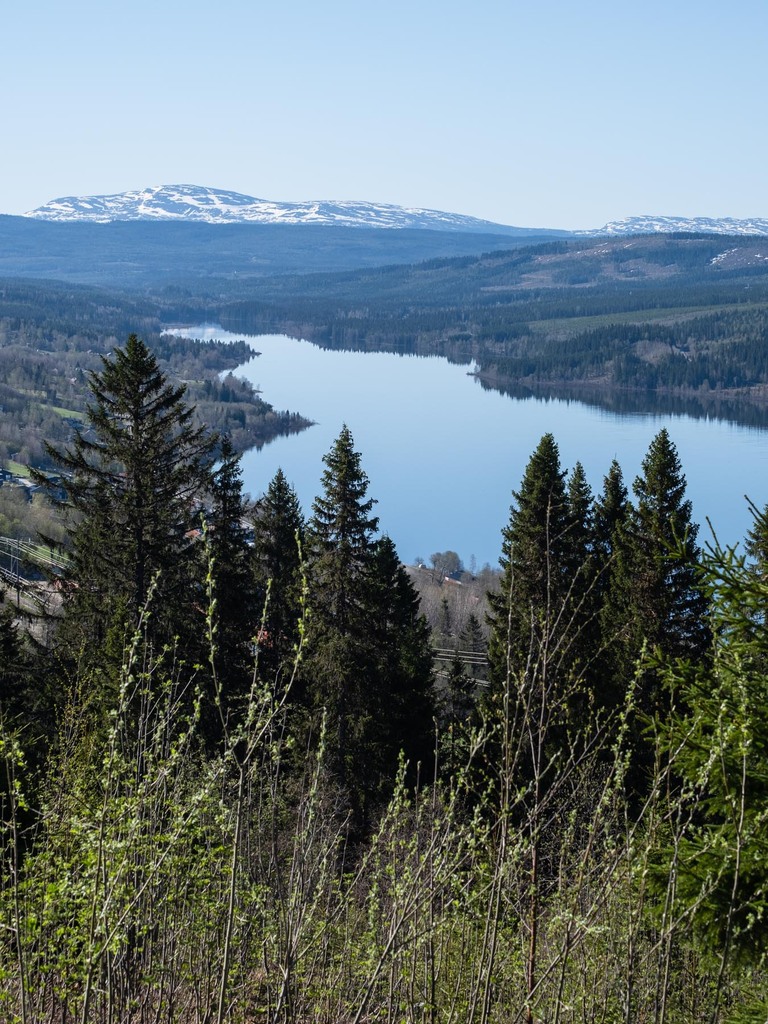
(568, 410)
(654, 327)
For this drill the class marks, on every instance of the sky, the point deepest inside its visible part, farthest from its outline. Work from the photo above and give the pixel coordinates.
(538, 114)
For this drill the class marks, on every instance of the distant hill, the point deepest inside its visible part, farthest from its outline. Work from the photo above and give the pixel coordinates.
(155, 253)
(201, 239)
(650, 225)
(684, 315)
(200, 204)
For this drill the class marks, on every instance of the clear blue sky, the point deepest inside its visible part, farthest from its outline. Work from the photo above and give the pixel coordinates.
(553, 114)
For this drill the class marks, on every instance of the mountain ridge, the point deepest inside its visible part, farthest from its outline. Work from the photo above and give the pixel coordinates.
(202, 204)
(648, 224)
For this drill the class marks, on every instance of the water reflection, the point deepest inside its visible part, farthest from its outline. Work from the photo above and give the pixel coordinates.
(744, 411)
(443, 452)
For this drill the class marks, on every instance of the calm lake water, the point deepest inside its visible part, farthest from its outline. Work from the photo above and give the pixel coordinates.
(443, 454)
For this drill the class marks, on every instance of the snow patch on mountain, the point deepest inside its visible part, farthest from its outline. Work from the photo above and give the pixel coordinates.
(722, 256)
(217, 206)
(741, 257)
(647, 225)
(214, 206)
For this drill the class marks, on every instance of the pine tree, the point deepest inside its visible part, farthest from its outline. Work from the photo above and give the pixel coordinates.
(134, 482)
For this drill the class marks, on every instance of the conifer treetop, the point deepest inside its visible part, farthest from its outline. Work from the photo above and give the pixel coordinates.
(342, 514)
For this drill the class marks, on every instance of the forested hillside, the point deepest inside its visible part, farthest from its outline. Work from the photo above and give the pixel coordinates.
(681, 317)
(53, 335)
(235, 787)
(684, 315)
(141, 254)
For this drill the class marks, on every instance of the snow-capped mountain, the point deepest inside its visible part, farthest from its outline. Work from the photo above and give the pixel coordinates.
(213, 206)
(660, 225)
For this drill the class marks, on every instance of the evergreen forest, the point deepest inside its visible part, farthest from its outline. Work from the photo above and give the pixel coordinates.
(238, 784)
(681, 318)
(53, 336)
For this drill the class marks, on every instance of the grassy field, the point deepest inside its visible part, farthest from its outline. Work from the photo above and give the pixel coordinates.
(69, 414)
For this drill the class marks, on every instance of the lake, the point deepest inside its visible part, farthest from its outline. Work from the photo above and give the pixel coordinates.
(443, 454)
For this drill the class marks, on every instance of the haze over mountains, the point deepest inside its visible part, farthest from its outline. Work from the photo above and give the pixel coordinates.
(199, 204)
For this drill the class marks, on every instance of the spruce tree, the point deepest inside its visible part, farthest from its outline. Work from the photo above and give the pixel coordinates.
(716, 744)
(278, 541)
(459, 701)
(30, 691)
(16, 678)
(341, 536)
(235, 614)
(368, 658)
(446, 624)
(612, 513)
(134, 484)
(538, 687)
(472, 640)
(340, 668)
(583, 601)
(459, 696)
(756, 543)
(668, 604)
(581, 533)
(539, 660)
(666, 610)
(534, 568)
(404, 663)
(614, 554)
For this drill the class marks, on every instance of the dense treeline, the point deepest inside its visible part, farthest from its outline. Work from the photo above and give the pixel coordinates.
(234, 788)
(468, 330)
(727, 349)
